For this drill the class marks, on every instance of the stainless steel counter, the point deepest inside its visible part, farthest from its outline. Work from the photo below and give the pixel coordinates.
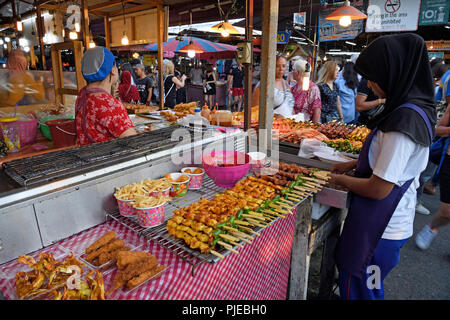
(32, 218)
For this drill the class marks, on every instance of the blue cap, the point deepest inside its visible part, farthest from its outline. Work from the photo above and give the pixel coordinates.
(97, 64)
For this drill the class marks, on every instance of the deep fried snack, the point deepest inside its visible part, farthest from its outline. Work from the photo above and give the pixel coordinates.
(133, 270)
(198, 171)
(113, 245)
(144, 276)
(110, 256)
(124, 258)
(103, 240)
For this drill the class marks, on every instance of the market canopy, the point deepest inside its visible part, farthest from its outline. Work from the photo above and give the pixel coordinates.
(212, 50)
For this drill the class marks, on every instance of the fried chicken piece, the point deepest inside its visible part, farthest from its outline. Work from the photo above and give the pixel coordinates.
(103, 240)
(113, 245)
(124, 258)
(133, 270)
(111, 256)
(144, 276)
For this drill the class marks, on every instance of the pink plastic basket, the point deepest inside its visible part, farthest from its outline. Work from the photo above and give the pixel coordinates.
(27, 131)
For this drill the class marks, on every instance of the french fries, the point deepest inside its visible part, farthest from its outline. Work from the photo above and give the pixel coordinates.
(130, 191)
(149, 202)
(156, 185)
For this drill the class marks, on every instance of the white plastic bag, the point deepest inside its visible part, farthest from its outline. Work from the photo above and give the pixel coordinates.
(310, 148)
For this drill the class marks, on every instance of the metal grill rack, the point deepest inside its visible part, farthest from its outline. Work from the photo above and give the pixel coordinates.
(64, 163)
(160, 234)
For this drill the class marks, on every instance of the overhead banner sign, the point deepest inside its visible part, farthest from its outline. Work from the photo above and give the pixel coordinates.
(330, 30)
(392, 15)
(434, 12)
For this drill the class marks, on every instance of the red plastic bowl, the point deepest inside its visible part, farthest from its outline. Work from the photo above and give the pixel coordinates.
(226, 167)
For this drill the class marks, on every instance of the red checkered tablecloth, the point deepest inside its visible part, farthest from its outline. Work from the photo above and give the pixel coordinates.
(260, 271)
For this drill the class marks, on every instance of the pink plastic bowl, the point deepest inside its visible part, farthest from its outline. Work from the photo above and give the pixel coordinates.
(236, 166)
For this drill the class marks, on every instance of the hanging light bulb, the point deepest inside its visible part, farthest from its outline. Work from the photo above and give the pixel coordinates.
(345, 21)
(73, 35)
(325, 58)
(306, 75)
(345, 14)
(77, 27)
(1, 42)
(19, 25)
(91, 44)
(26, 49)
(191, 53)
(305, 85)
(224, 33)
(124, 40)
(23, 42)
(7, 39)
(135, 55)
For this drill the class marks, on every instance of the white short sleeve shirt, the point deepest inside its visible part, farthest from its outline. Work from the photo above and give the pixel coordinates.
(394, 157)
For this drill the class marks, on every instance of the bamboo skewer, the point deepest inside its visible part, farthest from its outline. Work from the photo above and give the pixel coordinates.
(227, 246)
(217, 254)
(256, 223)
(228, 237)
(244, 223)
(274, 213)
(237, 232)
(250, 230)
(317, 180)
(253, 217)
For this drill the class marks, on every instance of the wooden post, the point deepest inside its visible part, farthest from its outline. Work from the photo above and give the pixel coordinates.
(57, 75)
(268, 62)
(32, 57)
(248, 67)
(40, 30)
(85, 23)
(300, 256)
(107, 26)
(160, 21)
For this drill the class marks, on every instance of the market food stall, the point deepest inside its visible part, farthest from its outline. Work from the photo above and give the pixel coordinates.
(82, 180)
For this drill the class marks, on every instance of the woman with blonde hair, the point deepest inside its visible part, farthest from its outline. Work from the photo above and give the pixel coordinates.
(329, 92)
(170, 83)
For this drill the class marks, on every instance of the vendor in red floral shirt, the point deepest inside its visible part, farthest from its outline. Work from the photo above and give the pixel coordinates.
(99, 116)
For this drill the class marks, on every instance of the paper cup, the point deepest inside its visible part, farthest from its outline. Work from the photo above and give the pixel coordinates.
(196, 179)
(126, 208)
(258, 161)
(178, 189)
(151, 217)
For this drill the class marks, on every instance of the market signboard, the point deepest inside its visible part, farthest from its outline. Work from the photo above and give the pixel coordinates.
(299, 18)
(434, 12)
(283, 37)
(392, 15)
(330, 30)
(434, 55)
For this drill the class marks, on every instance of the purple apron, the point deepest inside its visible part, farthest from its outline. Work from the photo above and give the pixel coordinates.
(368, 218)
(81, 105)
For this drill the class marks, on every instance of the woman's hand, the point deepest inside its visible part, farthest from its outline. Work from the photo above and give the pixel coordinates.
(343, 167)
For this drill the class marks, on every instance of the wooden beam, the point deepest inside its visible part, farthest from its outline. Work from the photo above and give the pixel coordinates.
(40, 30)
(268, 62)
(108, 4)
(248, 67)
(85, 24)
(13, 6)
(107, 25)
(132, 9)
(160, 21)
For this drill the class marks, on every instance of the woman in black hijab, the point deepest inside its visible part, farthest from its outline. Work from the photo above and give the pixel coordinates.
(381, 213)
